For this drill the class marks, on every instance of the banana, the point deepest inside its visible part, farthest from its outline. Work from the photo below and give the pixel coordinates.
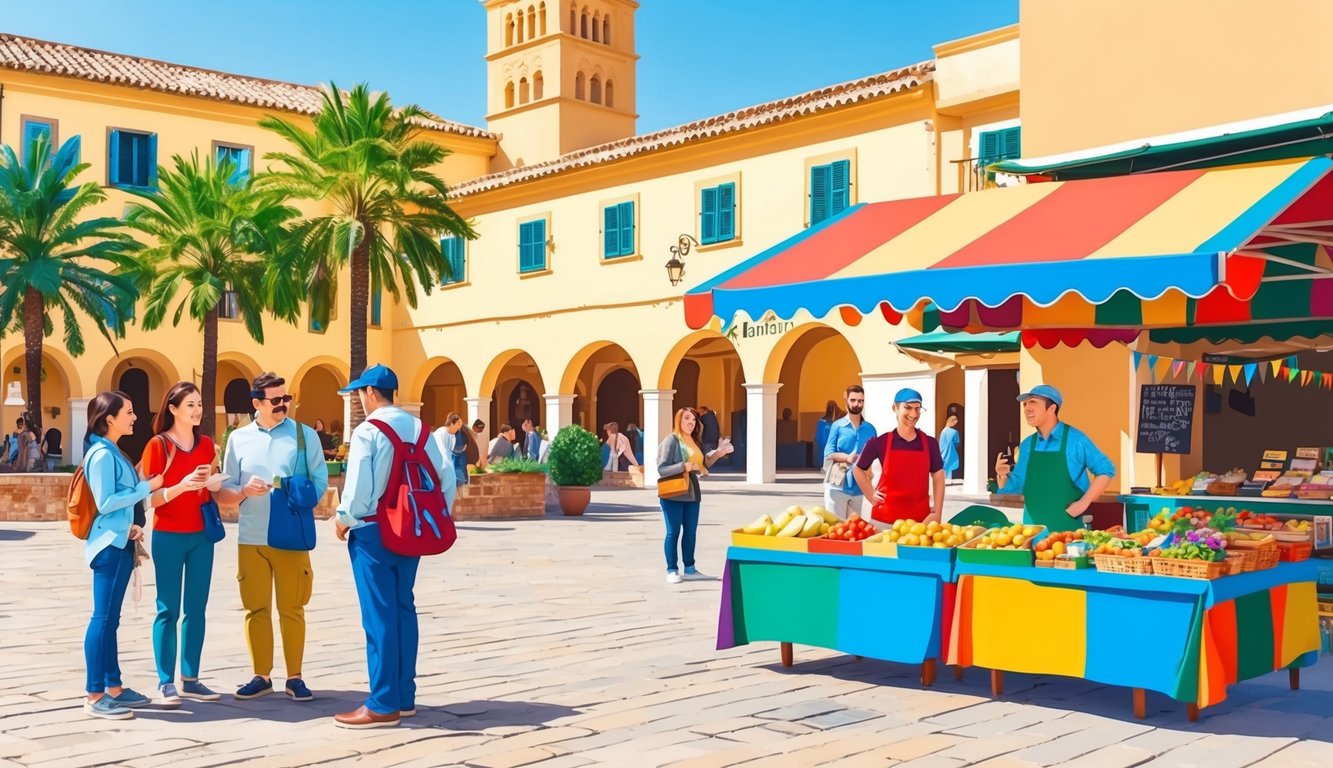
(758, 527)
(792, 528)
(828, 516)
(783, 519)
(811, 527)
(823, 528)
(772, 530)
(877, 538)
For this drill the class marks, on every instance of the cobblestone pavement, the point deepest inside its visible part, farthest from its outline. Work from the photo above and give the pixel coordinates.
(557, 643)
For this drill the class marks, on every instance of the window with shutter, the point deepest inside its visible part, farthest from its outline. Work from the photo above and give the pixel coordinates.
(1004, 144)
(717, 214)
(830, 189)
(240, 160)
(532, 246)
(33, 129)
(456, 257)
(819, 193)
(610, 231)
(133, 159)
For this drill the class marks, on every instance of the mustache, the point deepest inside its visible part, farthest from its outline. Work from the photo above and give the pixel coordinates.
(280, 409)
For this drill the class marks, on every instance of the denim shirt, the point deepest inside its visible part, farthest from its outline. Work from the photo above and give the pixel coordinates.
(844, 438)
(1081, 457)
(116, 488)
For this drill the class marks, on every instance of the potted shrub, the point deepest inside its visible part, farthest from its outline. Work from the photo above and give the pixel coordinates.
(576, 464)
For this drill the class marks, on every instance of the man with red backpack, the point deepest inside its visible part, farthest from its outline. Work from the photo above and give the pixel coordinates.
(392, 512)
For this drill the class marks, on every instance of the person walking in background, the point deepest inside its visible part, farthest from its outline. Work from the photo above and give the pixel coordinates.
(12, 443)
(847, 437)
(532, 442)
(679, 456)
(452, 442)
(635, 436)
(475, 456)
(949, 446)
(620, 456)
(118, 494)
(825, 423)
(256, 454)
(29, 451)
(502, 447)
(709, 429)
(325, 439)
(182, 549)
(51, 449)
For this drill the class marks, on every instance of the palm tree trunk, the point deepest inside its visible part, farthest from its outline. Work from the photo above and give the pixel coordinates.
(360, 306)
(34, 327)
(208, 379)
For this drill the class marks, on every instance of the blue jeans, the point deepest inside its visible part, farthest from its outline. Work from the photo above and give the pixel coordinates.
(384, 583)
(111, 575)
(682, 521)
(177, 558)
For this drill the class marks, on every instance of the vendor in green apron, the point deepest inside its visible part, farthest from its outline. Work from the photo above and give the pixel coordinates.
(1053, 466)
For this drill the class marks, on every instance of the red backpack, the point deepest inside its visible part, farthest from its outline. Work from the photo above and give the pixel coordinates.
(412, 515)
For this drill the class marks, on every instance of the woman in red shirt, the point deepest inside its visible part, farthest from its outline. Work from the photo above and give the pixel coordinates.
(182, 549)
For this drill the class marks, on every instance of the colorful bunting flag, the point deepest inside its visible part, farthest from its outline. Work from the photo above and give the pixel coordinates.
(1176, 367)
(1189, 370)
(1249, 372)
(1276, 365)
(1159, 371)
(1218, 372)
(1138, 360)
(1234, 372)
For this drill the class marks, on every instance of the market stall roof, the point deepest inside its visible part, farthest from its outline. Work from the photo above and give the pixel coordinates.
(1168, 249)
(944, 341)
(1305, 133)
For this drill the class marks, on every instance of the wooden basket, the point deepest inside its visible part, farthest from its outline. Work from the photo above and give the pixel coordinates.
(1241, 560)
(1189, 569)
(1266, 557)
(1138, 565)
(1219, 488)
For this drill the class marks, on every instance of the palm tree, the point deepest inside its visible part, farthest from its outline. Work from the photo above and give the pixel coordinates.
(50, 255)
(213, 228)
(366, 160)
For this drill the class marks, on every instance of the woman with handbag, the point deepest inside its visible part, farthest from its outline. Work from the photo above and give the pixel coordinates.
(680, 463)
(186, 525)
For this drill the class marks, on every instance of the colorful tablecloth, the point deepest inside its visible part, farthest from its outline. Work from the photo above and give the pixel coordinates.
(1186, 638)
(881, 608)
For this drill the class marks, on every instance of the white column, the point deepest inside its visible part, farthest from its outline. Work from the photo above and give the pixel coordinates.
(415, 410)
(78, 429)
(348, 426)
(761, 433)
(657, 405)
(480, 408)
(559, 414)
(880, 389)
(977, 461)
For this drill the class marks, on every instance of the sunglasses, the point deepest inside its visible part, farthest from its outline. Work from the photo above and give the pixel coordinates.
(276, 401)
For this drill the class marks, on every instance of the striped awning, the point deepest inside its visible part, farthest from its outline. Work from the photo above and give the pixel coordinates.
(1155, 250)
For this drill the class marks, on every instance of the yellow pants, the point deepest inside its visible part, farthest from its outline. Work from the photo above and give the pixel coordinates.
(260, 572)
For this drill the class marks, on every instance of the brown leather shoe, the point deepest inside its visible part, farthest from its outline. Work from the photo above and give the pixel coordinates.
(365, 718)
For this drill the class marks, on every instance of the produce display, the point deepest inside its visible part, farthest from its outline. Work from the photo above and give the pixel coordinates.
(1200, 544)
(1057, 544)
(938, 535)
(854, 529)
(1017, 536)
(795, 522)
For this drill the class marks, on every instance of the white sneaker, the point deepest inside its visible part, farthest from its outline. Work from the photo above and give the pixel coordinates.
(696, 576)
(673, 577)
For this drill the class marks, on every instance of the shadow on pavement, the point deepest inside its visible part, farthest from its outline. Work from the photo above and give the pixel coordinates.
(8, 535)
(472, 715)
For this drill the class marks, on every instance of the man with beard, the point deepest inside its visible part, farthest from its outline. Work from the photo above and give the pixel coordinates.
(911, 474)
(259, 452)
(847, 437)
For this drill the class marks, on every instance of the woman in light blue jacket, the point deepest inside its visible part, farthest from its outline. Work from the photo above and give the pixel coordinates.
(109, 550)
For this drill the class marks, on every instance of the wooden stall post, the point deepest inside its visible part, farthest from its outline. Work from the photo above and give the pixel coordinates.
(786, 654)
(1140, 703)
(996, 683)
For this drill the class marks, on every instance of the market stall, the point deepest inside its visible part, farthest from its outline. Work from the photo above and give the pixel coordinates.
(1186, 638)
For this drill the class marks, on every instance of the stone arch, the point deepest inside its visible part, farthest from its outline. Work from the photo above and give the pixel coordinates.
(606, 29)
(242, 361)
(440, 388)
(509, 95)
(578, 86)
(518, 36)
(538, 86)
(541, 18)
(608, 97)
(595, 90)
(583, 23)
(315, 389)
(573, 18)
(524, 92)
(58, 356)
(705, 369)
(145, 375)
(59, 383)
(509, 29)
(532, 22)
(596, 26)
(814, 363)
(587, 372)
(514, 383)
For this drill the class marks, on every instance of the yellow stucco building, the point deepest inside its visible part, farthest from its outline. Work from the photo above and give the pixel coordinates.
(561, 310)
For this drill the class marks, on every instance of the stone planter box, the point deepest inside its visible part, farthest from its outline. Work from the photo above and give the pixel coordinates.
(33, 496)
(502, 496)
(631, 479)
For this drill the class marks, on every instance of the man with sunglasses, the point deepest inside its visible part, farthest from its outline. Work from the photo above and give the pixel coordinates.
(256, 454)
(911, 473)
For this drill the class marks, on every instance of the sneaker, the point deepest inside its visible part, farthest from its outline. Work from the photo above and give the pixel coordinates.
(297, 690)
(693, 574)
(130, 698)
(107, 709)
(673, 577)
(193, 689)
(169, 694)
(257, 687)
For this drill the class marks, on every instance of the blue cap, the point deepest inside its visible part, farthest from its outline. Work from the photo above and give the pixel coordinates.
(378, 376)
(907, 395)
(1043, 390)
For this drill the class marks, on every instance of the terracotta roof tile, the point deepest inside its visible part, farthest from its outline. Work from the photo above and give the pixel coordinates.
(813, 102)
(33, 55)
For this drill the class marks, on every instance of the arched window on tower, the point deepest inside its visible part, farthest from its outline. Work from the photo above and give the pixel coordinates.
(519, 36)
(509, 30)
(532, 22)
(541, 18)
(538, 85)
(509, 95)
(583, 24)
(578, 86)
(595, 90)
(596, 27)
(606, 29)
(573, 18)
(610, 92)
(523, 90)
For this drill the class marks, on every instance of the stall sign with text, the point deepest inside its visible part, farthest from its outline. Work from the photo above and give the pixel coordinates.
(1166, 418)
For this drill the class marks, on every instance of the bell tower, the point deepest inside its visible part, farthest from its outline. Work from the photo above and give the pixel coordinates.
(559, 76)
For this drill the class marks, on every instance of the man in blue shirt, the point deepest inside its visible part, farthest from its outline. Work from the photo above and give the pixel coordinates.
(847, 437)
(384, 580)
(1053, 466)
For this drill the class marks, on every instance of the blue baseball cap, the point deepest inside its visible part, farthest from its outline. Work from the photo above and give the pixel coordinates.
(907, 395)
(378, 376)
(1046, 391)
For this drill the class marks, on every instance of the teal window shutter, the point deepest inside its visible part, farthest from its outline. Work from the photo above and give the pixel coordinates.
(626, 228)
(1012, 144)
(114, 173)
(458, 260)
(726, 212)
(988, 148)
(840, 181)
(1004, 144)
(376, 302)
(33, 130)
(150, 160)
(610, 231)
(532, 246)
(820, 190)
(708, 232)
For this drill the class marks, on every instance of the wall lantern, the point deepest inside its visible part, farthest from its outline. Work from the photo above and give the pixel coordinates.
(676, 266)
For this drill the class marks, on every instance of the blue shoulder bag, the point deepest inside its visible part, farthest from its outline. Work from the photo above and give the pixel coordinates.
(291, 505)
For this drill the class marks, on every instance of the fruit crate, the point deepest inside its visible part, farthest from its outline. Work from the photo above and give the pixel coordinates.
(1067, 563)
(1294, 552)
(968, 552)
(740, 538)
(823, 546)
(1044, 563)
(879, 548)
(1189, 569)
(1241, 560)
(934, 554)
(1138, 565)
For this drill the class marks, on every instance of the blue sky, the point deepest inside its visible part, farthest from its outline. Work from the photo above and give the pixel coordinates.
(697, 57)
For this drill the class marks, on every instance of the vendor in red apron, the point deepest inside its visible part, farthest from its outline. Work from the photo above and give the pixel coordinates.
(911, 476)
(1053, 466)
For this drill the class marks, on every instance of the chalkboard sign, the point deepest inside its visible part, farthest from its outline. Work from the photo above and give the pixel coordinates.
(1166, 418)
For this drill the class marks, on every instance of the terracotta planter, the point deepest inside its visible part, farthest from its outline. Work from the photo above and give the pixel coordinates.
(574, 499)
